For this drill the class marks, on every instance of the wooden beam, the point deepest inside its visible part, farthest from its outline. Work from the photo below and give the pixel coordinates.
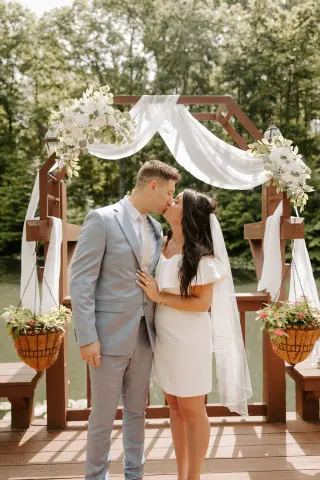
(38, 230)
(288, 231)
(245, 121)
(183, 99)
(72, 232)
(204, 116)
(234, 134)
(162, 411)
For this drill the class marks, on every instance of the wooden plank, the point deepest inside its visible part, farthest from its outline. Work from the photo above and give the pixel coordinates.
(245, 121)
(12, 390)
(183, 99)
(251, 302)
(162, 411)
(307, 369)
(218, 453)
(204, 116)
(21, 367)
(254, 231)
(234, 134)
(272, 441)
(23, 380)
(38, 230)
(278, 475)
(216, 465)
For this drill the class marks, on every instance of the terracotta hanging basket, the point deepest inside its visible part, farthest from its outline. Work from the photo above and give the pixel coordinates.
(39, 351)
(299, 344)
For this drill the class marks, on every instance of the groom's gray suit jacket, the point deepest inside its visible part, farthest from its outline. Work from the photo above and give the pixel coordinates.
(106, 302)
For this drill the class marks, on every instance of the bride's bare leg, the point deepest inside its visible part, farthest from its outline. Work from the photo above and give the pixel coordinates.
(198, 432)
(179, 436)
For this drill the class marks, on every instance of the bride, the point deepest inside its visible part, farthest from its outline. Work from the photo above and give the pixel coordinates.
(187, 278)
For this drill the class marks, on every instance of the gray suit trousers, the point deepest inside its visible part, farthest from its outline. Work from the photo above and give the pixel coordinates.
(127, 377)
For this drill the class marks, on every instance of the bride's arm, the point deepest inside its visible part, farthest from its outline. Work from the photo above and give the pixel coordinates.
(200, 301)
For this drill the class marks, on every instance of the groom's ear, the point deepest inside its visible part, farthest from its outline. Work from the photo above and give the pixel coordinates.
(153, 184)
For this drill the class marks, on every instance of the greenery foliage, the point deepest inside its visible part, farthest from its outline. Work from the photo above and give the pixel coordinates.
(264, 54)
(21, 321)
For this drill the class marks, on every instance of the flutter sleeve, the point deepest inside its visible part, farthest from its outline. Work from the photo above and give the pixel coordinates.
(210, 270)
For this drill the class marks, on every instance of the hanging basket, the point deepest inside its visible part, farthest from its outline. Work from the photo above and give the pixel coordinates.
(39, 351)
(299, 344)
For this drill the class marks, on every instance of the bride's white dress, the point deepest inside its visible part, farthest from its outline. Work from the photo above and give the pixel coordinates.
(183, 350)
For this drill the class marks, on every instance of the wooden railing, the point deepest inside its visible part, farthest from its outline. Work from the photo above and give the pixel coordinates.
(247, 302)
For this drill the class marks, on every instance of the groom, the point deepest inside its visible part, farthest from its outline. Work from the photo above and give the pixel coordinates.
(114, 319)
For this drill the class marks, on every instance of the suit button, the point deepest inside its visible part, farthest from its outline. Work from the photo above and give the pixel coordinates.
(145, 304)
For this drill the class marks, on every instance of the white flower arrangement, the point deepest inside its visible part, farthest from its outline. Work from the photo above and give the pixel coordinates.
(285, 167)
(90, 119)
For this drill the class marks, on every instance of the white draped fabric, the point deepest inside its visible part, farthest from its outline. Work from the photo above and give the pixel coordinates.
(193, 146)
(51, 274)
(29, 285)
(231, 361)
(272, 267)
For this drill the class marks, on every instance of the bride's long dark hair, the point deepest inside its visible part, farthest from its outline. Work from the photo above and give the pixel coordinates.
(197, 208)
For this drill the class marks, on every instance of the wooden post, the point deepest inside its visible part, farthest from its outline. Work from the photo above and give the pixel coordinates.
(274, 384)
(57, 375)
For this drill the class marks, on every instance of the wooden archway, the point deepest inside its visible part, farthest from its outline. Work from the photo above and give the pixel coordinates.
(53, 202)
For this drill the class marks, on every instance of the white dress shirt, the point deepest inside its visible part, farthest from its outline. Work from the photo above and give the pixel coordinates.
(134, 214)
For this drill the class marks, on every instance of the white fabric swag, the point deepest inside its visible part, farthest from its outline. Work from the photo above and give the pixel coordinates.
(29, 285)
(193, 146)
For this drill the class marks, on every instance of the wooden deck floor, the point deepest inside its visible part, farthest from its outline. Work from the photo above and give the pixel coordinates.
(238, 450)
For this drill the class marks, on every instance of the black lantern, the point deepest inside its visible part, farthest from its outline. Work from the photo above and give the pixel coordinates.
(272, 131)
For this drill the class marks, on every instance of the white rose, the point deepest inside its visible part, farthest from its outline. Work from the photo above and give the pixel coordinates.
(112, 122)
(76, 133)
(68, 113)
(89, 107)
(108, 110)
(82, 120)
(99, 97)
(295, 181)
(69, 141)
(287, 177)
(99, 121)
(280, 155)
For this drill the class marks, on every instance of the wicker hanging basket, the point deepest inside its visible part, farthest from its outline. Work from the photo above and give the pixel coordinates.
(39, 351)
(299, 344)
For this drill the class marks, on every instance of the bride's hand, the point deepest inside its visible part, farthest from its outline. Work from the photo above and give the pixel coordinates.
(148, 285)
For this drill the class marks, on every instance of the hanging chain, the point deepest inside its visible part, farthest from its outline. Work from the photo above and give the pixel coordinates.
(294, 271)
(45, 281)
(35, 267)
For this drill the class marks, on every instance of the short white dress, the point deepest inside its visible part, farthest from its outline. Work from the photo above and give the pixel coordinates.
(183, 350)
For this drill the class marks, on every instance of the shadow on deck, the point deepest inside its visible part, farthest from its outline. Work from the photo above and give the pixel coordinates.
(238, 450)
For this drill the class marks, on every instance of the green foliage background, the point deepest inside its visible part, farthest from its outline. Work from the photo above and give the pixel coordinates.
(263, 53)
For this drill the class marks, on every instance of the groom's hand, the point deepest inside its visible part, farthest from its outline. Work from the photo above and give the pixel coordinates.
(91, 353)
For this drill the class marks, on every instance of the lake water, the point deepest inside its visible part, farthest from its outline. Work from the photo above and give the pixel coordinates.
(9, 295)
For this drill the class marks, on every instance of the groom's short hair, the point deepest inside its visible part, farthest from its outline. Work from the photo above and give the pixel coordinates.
(156, 169)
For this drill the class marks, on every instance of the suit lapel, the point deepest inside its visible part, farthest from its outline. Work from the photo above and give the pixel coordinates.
(126, 225)
(159, 244)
